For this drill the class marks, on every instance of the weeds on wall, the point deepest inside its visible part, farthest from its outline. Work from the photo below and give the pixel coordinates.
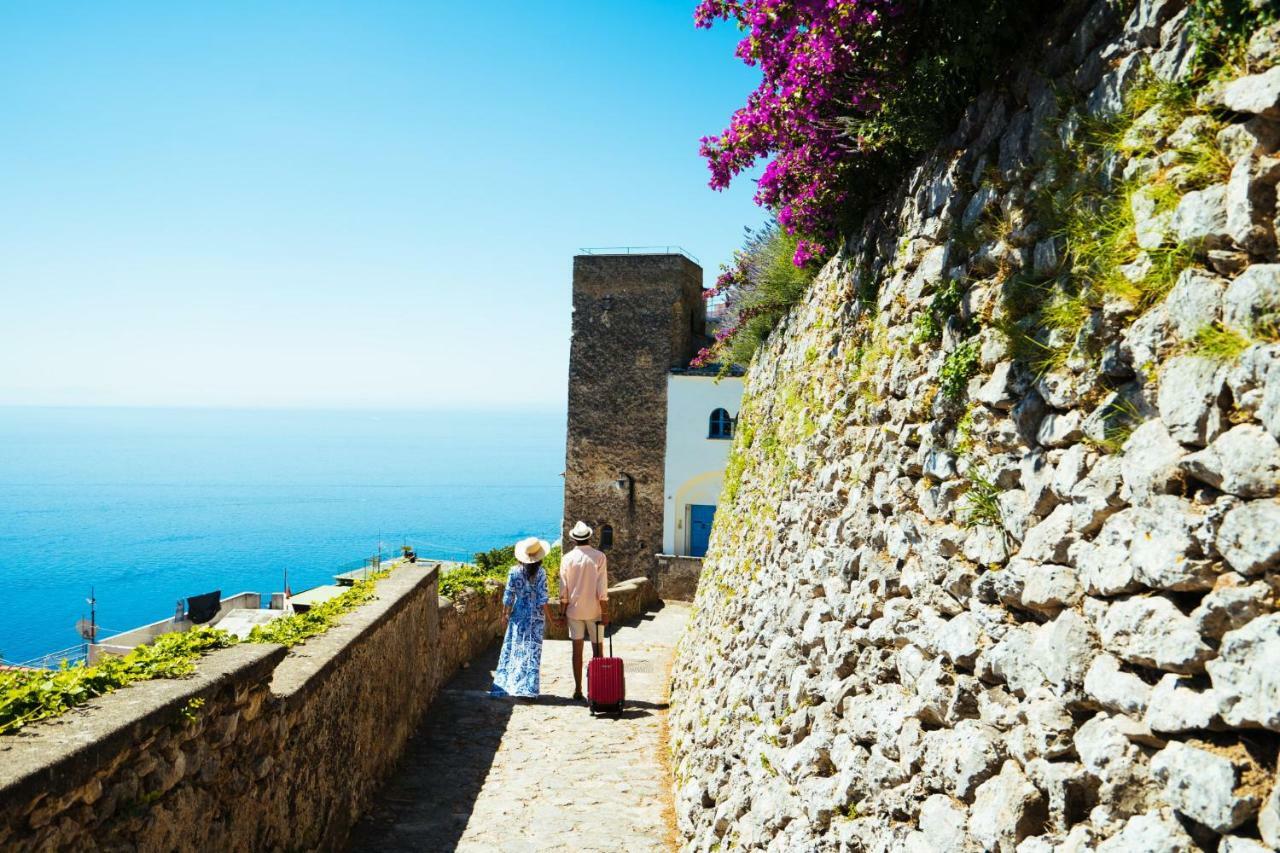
(30, 695)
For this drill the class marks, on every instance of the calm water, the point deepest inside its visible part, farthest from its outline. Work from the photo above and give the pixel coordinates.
(151, 505)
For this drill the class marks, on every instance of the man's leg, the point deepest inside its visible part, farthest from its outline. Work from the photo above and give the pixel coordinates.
(577, 669)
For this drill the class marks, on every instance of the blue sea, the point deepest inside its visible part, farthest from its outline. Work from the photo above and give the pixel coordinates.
(146, 506)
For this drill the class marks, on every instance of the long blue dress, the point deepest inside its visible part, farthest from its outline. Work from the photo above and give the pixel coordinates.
(520, 664)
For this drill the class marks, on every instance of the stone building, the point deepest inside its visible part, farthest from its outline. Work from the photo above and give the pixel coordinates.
(638, 319)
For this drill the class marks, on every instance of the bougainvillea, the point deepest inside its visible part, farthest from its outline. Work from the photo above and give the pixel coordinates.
(821, 62)
(851, 92)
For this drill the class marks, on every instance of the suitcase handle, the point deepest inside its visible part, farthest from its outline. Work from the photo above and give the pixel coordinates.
(607, 634)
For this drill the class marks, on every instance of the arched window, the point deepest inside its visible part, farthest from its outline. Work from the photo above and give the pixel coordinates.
(606, 537)
(721, 425)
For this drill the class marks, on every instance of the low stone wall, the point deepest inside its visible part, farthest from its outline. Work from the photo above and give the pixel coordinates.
(676, 578)
(627, 600)
(261, 749)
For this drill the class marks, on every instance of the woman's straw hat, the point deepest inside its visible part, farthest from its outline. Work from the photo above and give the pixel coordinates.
(531, 550)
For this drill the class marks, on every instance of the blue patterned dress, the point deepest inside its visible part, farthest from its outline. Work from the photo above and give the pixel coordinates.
(520, 664)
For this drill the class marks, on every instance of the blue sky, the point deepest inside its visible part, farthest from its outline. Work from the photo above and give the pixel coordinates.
(360, 204)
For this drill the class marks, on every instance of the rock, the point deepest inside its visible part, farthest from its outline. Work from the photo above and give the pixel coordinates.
(1115, 690)
(1097, 497)
(1059, 429)
(960, 639)
(1202, 785)
(996, 391)
(1027, 414)
(1153, 229)
(1230, 605)
(1148, 340)
(1177, 705)
(1036, 477)
(1109, 756)
(1150, 464)
(1201, 217)
(1006, 809)
(1248, 378)
(1165, 549)
(1254, 293)
(1257, 135)
(1249, 538)
(1194, 302)
(1258, 94)
(942, 820)
(1244, 461)
(1190, 130)
(1151, 631)
(1228, 263)
(1246, 674)
(1191, 399)
(1049, 541)
(1103, 564)
(1251, 204)
(962, 758)
(985, 545)
(1049, 588)
(1238, 844)
(1269, 816)
(1155, 832)
(1045, 258)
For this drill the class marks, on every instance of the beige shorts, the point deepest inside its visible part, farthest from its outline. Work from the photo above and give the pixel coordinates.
(581, 629)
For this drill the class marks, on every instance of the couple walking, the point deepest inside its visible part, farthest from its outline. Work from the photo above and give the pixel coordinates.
(526, 608)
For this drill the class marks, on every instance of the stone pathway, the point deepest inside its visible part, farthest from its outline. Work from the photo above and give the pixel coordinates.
(517, 775)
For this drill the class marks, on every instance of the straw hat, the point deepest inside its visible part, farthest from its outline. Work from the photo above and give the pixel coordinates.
(531, 550)
(580, 532)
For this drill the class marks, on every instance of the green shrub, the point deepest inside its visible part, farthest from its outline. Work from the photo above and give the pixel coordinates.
(957, 369)
(488, 572)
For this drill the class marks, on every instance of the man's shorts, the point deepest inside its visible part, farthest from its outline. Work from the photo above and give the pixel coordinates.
(580, 629)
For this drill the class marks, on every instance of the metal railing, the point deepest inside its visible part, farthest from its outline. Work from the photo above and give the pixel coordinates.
(641, 250)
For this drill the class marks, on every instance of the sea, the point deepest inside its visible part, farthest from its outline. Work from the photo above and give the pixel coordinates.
(138, 507)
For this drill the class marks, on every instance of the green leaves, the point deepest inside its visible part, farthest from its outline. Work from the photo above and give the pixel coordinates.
(30, 695)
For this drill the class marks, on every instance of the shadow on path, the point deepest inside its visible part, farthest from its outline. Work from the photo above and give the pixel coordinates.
(428, 800)
(517, 775)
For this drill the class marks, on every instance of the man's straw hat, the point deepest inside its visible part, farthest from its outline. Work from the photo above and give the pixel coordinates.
(531, 550)
(580, 532)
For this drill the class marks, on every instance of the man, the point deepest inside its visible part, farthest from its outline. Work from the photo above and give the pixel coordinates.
(584, 597)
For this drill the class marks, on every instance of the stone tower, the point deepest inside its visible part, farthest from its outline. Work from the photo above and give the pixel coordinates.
(635, 316)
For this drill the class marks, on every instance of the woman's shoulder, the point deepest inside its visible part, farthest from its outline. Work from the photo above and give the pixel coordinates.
(514, 572)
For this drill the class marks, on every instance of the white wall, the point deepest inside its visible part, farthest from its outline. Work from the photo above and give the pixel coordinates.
(695, 463)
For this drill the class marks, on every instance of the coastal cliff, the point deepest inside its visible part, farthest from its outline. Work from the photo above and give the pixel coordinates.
(996, 563)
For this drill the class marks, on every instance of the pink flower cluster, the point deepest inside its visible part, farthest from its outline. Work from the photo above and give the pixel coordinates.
(820, 61)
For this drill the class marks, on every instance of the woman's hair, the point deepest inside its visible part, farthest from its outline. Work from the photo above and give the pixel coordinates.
(531, 569)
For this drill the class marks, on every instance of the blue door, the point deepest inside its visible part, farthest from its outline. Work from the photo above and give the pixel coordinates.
(700, 518)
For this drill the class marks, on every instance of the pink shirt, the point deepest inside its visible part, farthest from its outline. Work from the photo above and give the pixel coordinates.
(583, 583)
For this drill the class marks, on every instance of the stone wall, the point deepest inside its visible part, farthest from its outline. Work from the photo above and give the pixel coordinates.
(634, 318)
(963, 597)
(261, 749)
(676, 578)
(627, 600)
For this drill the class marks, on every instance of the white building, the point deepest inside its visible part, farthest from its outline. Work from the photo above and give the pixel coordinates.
(702, 411)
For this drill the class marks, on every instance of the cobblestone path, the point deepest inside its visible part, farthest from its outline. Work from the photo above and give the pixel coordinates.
(534, 775)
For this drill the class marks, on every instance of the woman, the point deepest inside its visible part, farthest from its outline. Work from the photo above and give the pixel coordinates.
(525, 612)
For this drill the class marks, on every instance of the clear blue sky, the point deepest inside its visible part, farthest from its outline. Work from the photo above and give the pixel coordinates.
(352, 204)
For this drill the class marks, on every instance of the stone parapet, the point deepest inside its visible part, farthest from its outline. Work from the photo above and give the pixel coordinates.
(262, 748)
(627, 600)
(676, 578)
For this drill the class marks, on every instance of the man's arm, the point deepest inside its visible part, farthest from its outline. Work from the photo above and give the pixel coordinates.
(602, 589)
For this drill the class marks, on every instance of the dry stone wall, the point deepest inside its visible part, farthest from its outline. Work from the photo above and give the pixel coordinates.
(259, 750)
(996, 564)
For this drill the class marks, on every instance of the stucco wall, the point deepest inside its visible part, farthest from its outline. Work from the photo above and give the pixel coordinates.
(694, 467)
(261, 749)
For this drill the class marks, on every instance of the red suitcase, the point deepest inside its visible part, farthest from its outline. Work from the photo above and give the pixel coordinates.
(606, 684)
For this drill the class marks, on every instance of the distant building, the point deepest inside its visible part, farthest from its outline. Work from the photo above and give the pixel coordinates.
(648, 437)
